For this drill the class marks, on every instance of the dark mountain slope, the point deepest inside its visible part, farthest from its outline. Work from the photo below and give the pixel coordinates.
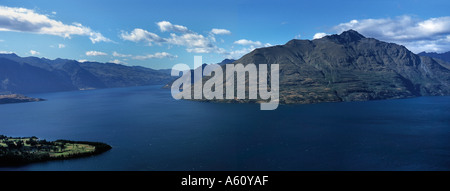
(350, 67)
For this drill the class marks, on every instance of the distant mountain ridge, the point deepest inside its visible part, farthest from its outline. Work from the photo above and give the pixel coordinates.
(36, 75)
(350, 67)
(442, 58)
(200, 70)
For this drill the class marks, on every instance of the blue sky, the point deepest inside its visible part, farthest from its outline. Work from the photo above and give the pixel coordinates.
(159, 34)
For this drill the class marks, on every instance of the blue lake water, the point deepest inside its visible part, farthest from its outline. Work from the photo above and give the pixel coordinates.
(149, 130)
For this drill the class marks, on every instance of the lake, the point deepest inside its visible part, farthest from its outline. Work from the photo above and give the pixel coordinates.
(149, 130)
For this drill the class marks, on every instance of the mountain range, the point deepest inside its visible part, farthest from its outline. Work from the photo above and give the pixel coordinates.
(350, 67)
(344, 67)
(36, 75)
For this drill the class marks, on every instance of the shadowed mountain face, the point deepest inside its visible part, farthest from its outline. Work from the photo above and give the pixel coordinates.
(350, 67)
(36, 75)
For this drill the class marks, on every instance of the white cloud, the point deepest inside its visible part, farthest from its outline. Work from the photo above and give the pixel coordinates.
(5, 52)
(432, 34)
(213, 49)
(95, 53)
(83, 60)
(97, 37)
(193, 42)
(252, 45)
(236, 54)
(190, 39)
(158, 55)
(141, 35)
(27, 20)
(116, 61)
(115, 54)
(220, 31)
(319, 35)
(61, 45)
(33, 52)
(246, 42)
(166, 26)
(297, 36)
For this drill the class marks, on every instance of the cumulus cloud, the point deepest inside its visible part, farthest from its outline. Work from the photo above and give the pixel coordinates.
(236, 54)
(95, 53)
(61, 45)
(246, 42)
(166, 26)
(27, 20)
(33, 52)
(416, 34)
(220, 31)
(193, 41)
(116, 54)
(158, 55)
(182, 36)
(116, 61)
(319, 35)
(83, 60)
(141, 35)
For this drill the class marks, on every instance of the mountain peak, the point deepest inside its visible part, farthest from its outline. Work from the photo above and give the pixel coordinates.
(351, 35)
(227, 61)
(345, 37)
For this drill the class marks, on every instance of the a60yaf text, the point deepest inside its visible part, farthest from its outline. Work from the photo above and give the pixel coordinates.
(229, 181)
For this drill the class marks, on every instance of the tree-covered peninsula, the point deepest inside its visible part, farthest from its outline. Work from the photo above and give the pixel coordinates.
(24, 150)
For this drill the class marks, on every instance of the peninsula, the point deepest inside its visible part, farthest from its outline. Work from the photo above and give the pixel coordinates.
(24, 150)
(17, 98)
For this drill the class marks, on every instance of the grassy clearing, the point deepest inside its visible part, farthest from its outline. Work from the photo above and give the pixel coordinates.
(72, 149)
